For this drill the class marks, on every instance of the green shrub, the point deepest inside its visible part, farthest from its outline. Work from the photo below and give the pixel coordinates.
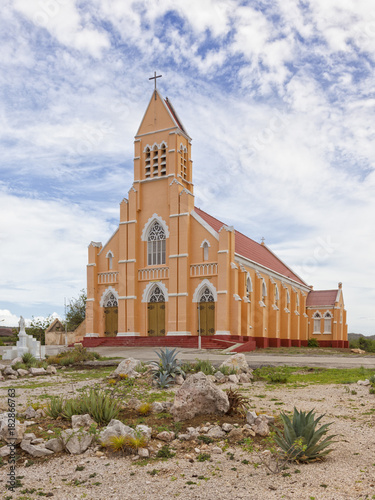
(300, 439)
(278, 376)
(204, 365)
(205, 439)
(29, 360)
(55, 407)
(19, 365)
(202, 457)
(227, 370)
(165, 452)
(313, 342)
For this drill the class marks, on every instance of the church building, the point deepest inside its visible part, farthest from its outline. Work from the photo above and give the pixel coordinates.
(172, 273)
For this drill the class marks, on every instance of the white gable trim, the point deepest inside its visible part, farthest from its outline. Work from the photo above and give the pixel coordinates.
(151, 220)
(203, 223)
(147, 292)
(106, 292)
(205, 283)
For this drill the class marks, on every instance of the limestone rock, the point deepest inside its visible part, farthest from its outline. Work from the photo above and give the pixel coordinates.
(233, 379)
(34, 450)
(364, 382)
(260, 426)
(198, 396)
(16, 360)
(143, 453)
(237, 362)
(245, 378)
(30, 412)
(235, 435)
(179, 380)
(76, 441)
(127, 367)
(12, 377)
(9, 371)
(134, 403)
(4, 451)
(2, 367)
(84, 421)
(358, 351)
(29, 436)
(115, 428)
(51, 370)
(166, 436)
(145, 431)
(11, 433)
(216, 450)
(55, 445)
(22, 373)
(211, 378)
(251, 417)
(37, 371)
(220, 377)
(157, 407)
(216, 432)
(227, 427)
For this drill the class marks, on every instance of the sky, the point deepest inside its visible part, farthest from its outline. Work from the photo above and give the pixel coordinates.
(278, 97)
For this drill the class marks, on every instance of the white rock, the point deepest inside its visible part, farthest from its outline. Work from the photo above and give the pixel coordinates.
(216, 450)
(30, 413)
(251, 417)
(35, 451)
(2, 367)
(363, 382)
(51, 370)
(245, 378)
(9, 371)
(55, 445)
(9, 432)
(227, 427)
(233, 379)
(4, 451)
(145, 431)
(166, 436)
(127, 367)
(143, 453)
(220, 377)
(216, 432)
(198, 396)
(179, 380)
(76, 441)
(237, 362)
(37, 441)
(260, 426)
(37, 371)
(157, 407)
(22, 373)
(84, 421)
(115, 428)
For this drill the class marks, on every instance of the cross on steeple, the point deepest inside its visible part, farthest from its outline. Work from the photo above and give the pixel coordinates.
(154, 78)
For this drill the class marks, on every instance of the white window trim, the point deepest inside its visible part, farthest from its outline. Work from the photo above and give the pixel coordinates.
(198, 291)
(149, 223)
(106, 292)
(147, 292)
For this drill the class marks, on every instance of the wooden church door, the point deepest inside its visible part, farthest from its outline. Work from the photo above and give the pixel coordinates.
(207, 313)
(111, 316)
(156, 314)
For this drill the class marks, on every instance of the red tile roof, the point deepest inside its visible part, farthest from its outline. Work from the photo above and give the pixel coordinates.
(318, 298)
(252, 250)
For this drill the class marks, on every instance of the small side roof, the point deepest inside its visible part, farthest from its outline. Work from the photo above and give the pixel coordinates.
(320, 298)
(252, 250)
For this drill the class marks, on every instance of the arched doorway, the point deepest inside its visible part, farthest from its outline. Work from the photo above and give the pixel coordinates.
(206, 312)
(111, 315)
(156, 313)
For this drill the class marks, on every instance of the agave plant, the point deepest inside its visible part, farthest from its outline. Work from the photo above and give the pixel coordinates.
(301, 440)
(163, 379)
(167, 364)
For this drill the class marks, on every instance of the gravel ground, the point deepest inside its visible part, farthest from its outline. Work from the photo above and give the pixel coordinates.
(348, 472)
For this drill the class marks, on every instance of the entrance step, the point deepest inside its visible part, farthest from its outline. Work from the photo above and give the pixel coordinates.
(232, 348)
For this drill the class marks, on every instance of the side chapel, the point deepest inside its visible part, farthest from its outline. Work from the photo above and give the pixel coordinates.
(172, 271)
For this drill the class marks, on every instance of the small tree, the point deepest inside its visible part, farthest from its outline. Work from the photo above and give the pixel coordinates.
(38, 327)
(76, 312)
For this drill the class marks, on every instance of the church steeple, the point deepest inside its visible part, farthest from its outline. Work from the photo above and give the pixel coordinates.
(162, 145)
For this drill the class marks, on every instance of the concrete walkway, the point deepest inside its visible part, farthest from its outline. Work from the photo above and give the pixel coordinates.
(255, 358)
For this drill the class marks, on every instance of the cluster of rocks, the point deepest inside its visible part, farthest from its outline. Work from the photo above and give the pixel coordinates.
(8, 372)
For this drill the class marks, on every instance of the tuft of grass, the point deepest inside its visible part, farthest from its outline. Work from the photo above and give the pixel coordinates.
(144, 409)
(165, 452)
(202, 457)
(204, 365)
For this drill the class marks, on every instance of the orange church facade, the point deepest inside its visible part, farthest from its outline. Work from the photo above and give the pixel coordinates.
(171, 272)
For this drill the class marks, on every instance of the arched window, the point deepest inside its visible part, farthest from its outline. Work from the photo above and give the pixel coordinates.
(110, 261)
(163, 159)
(317, 322)
(287, 298)
(264, 290)
(297, 300)
(147, 162)
(206, 296)
(327, 322)
(156, 245)
(205, 250)
(157, 295)
(110, 301)
(249, 285)
(276, 294)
